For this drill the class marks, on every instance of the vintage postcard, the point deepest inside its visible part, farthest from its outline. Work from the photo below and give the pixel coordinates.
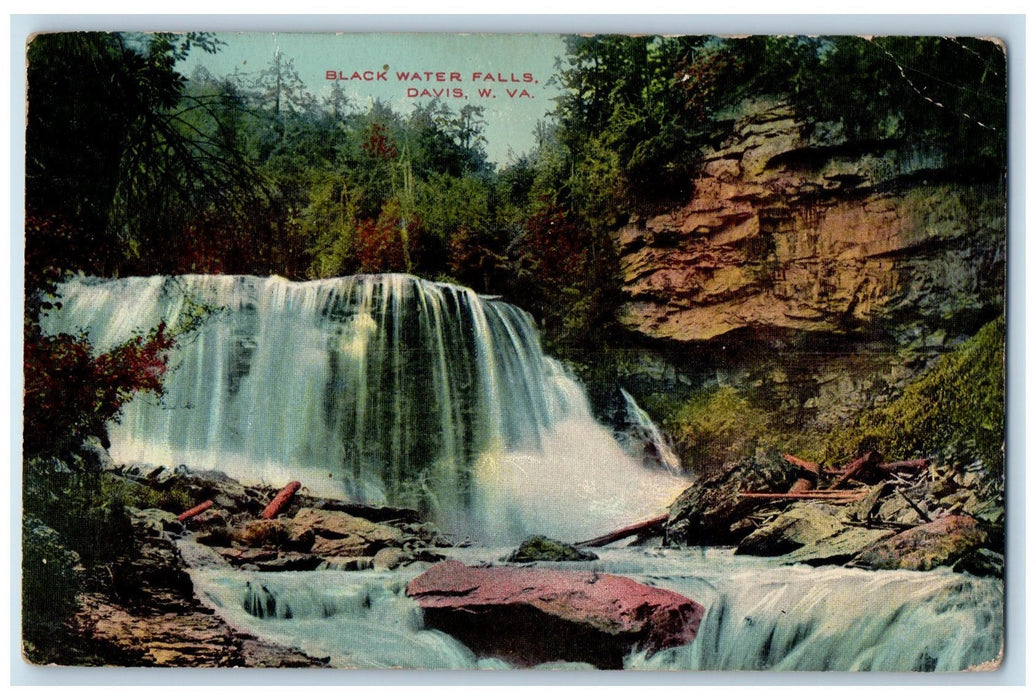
(514, 351)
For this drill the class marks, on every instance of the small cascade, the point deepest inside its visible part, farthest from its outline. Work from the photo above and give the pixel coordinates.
(645, 440)
(759, 617)
(380, 388)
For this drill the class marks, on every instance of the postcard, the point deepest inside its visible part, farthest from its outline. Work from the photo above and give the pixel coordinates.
(515, 351)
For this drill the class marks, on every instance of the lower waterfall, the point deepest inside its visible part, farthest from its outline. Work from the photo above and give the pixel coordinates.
(759, 616)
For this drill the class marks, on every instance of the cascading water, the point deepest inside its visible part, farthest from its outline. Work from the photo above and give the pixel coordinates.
(646, 440)
(758, 617)
(394, 389)
(382, 388)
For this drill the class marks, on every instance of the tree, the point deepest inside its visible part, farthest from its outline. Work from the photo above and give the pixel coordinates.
(116, 150)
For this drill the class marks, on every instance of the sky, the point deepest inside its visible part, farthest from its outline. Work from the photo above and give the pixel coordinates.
(506, 74)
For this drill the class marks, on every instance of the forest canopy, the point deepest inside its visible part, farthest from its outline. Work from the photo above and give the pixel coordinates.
(135, 168)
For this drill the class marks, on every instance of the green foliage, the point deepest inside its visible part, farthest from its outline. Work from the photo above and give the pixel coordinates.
(175, 499)
(957, 405)
(717, 426)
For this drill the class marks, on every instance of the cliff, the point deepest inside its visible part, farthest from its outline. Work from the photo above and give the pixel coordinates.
(798, 228)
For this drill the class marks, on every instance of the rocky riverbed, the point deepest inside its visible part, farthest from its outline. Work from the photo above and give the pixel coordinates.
(149, 615)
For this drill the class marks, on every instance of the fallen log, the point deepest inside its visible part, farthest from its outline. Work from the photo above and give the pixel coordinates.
(846, 496)
(857, 465)
(642, 528)
(905, 464)
(281, 500)
(811, 467)
(196, 510)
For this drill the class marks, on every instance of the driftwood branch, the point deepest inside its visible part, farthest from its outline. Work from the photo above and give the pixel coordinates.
(281, 500)
(811, 467)
(859, 464)
(826, 495)
(644, 528)
(905, 464)
(196, 510)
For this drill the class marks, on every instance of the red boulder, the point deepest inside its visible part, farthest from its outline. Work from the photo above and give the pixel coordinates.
(529, 616)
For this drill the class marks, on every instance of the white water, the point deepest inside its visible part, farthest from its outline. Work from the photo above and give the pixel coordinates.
(758, 616)
(652, 444)
(383, 388)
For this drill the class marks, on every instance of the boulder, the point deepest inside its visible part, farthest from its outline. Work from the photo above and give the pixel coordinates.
(275, 533)
(709, 511)
(938, 543)
(154, 521)
(336, 525)
(802, 524)
(531, 615)
(391, 558)
(810, 533)
(837, 548)
(540, 548)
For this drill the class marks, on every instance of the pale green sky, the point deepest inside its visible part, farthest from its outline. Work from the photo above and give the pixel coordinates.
(509, 120)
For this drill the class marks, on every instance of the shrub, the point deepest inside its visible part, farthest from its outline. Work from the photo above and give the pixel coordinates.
(50, 579)
(958, 404)
(70, 392)
(717, 426)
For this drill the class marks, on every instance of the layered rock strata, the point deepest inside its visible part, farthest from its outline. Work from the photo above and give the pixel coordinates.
(801, 229)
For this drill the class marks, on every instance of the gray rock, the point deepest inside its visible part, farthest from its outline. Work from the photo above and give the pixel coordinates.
(540, 548)
(154, 521)
(391, 558)
(802, 524)
(705, 513)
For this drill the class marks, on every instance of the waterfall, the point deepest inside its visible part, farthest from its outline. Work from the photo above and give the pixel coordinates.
(381, 388)
(645, 439)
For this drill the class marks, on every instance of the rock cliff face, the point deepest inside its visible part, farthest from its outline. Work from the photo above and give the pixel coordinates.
(798, 229)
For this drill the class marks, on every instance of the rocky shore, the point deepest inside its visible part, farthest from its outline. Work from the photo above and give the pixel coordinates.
(931, 514)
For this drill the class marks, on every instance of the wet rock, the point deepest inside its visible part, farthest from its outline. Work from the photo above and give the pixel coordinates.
(289, 561)
(533, 615)
(810, 533)
(981, 562)
(260, 533)
(540, 548)
(155, 619)
(938, 543)
(802, 524)
(344, 547)
(705, 513)
(347, 563)
(377, 514)
(391, 558)
(837, 548)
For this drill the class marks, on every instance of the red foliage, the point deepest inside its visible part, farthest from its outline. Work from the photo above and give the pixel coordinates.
(69, 392)
(377, 144)
(471, 260)
(556, 246)
(385, 245)
(54, 246)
